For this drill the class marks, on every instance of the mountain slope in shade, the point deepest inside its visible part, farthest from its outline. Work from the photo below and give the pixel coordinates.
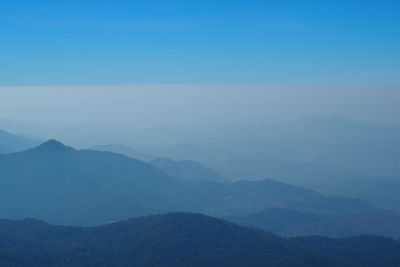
(181, 239)
(13, 143)
(188, 170)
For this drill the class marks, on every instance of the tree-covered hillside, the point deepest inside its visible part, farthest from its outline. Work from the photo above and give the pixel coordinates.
(181, 239)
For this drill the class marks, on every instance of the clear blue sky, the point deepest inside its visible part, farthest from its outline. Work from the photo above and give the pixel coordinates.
(236, 41)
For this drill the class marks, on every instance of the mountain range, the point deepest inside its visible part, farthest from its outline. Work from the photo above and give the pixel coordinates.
(65, 186)
(326, 153)
(181, 239)
(330, 154)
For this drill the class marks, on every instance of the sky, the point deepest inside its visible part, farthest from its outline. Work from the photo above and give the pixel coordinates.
(285, 42)
(175, 62)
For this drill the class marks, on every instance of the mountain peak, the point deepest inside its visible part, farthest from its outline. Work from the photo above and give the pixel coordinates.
(52, 145)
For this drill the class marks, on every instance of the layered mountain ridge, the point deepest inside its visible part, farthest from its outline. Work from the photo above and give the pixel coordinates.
(65, 186)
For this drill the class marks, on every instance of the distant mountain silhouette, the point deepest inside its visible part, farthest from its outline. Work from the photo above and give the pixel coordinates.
(181, 239)
(188, 170)
(124, 150)
(62, 185)
(13, 143)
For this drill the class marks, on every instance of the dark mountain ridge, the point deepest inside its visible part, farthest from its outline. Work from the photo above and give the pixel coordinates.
(181, 239)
